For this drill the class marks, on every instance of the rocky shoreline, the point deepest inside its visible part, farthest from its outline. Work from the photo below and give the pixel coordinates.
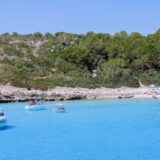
(12, 94)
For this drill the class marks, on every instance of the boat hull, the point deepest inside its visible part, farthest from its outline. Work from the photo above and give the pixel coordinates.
(3, 121)
(34, 108)
(59, 110)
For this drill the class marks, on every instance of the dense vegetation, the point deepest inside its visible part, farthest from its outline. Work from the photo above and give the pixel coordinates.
(79, 60)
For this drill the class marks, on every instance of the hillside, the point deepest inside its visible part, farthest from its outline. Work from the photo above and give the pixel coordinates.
(88, 60)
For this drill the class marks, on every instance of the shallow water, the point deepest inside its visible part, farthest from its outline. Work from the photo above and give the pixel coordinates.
(89, 130)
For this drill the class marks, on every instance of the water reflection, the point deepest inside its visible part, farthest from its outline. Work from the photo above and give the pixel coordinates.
(7, 127)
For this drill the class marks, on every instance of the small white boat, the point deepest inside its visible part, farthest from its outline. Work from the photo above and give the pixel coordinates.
(59, 108)
(34, 107)
(3, 119)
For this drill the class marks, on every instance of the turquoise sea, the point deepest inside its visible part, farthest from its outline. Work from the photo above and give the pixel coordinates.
(124, 129)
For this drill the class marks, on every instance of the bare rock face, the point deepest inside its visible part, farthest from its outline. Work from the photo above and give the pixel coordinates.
(1, 97)
(9, 93)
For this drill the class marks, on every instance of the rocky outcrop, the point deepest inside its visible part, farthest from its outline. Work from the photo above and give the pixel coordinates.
(12, 94)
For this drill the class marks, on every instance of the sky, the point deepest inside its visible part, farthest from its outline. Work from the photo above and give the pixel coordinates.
(79, 16)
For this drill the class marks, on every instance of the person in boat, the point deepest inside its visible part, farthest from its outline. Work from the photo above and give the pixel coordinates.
(32, 103)
(154, 97)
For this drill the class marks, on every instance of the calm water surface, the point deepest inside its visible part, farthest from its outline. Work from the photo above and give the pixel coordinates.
(89, 130)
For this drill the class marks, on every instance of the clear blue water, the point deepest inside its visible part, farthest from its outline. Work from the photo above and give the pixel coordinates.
(89, 130)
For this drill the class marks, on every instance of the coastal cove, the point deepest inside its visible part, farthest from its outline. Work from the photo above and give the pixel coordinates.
(79, 80)
(12, 94)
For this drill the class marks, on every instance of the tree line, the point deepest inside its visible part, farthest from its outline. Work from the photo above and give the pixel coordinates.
(44, 61)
